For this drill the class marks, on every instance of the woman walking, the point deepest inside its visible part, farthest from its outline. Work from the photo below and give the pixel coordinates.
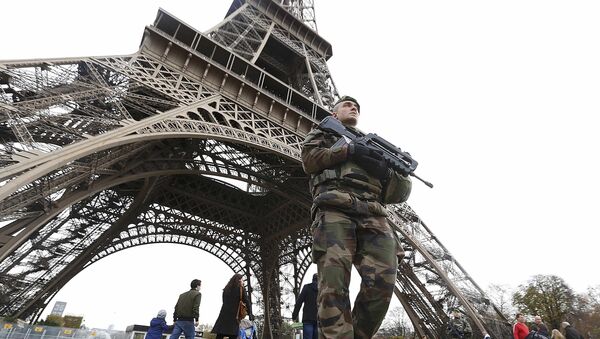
(228, 324)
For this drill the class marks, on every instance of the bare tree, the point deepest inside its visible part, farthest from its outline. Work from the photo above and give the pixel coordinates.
(501, 296)
(396, 323)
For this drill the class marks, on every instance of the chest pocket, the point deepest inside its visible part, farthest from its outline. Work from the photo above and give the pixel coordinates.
(356, 177)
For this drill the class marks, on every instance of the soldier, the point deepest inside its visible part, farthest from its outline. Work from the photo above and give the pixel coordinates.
(458, 327)
(350, 184)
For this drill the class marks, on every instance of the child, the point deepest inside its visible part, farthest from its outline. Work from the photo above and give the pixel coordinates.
(157, 326)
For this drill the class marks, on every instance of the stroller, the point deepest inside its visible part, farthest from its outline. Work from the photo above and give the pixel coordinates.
(247, 330)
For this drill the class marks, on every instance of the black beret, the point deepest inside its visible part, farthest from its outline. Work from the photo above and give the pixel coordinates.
(348, 98)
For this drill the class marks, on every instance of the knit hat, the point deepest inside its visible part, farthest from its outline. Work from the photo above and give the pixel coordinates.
(162, 314)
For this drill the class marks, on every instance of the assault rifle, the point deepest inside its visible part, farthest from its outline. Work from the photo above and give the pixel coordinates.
(396, 159)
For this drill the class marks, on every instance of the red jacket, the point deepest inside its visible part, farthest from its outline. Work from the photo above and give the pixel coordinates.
(520, 330)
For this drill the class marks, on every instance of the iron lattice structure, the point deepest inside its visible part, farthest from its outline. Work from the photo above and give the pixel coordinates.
(195, 139)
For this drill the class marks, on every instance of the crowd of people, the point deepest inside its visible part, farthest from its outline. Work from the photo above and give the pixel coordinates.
(459, 327)
(539, 330)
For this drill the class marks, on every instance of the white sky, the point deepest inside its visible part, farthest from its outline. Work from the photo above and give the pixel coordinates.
(496, 100)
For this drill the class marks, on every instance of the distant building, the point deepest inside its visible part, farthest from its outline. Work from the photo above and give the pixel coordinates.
(59, 308)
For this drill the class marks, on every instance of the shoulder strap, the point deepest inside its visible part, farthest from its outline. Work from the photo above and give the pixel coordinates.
(240, 292)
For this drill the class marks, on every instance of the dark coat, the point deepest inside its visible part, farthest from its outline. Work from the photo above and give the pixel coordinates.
(157, 327)
(542, 329)
(227, 323)
(188, 306)
(308, 297)
(571, 333)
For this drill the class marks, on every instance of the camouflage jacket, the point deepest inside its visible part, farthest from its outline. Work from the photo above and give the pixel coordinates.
(459, 328)
(337, 182)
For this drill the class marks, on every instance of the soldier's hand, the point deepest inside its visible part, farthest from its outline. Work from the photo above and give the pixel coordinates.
(357, 149)
(375, 165)
(369, 159)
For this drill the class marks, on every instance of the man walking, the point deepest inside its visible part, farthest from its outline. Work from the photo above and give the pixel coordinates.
(187, 312)
(350, 184)
(308, 297)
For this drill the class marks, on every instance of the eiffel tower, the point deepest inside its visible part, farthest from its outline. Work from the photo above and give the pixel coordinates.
(194, 139)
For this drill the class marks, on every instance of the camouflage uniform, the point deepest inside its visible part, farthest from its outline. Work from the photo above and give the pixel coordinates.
(350, 227)
(458, 327)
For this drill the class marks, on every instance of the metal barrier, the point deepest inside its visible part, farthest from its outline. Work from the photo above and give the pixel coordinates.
(26, 331)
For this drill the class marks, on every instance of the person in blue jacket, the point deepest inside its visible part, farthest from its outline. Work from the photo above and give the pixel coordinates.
(158, 326)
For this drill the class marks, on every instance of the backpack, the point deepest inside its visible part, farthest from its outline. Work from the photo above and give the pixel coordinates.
(535, 335)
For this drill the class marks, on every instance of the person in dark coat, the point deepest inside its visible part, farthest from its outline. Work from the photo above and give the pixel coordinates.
(539, 326)
(569, 331)
(308, 297)
(187, 312)
(157, 326)
(227, 324)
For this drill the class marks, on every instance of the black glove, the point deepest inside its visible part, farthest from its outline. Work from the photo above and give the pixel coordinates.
(369, 159)
(358, 149)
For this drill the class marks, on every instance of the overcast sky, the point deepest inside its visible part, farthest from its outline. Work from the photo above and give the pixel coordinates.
(496, 100)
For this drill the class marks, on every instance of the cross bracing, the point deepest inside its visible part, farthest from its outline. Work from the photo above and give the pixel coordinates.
(195, 140)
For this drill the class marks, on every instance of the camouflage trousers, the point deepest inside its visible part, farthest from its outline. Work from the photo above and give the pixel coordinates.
(340, 241)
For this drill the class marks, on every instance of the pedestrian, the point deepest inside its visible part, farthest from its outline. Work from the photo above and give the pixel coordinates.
(308, 297)
(520, 329)
(458, 327)
(228, 324)
(556, 334)
(350, 183)
(158, 326)
(569, 331)
(187, 312)
(539, 326)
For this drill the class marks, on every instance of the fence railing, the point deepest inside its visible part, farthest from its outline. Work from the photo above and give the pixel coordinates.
(26, 331)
